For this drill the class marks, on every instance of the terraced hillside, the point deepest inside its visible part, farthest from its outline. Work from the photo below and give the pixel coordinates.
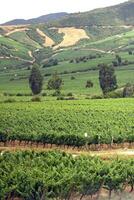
(17, 41)
(94, 31)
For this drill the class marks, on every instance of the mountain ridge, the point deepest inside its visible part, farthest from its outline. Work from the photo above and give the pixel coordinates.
(120, 14)
(41, 19)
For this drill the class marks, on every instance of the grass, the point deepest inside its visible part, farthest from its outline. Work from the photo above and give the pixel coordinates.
(112, 42)
(90, 64)
(22, 37)
(77, 86)
(68, 54)
(18, 49)
(82, 71)
(12, 63)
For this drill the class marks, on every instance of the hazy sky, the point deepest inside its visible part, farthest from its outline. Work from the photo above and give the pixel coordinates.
(11, 9)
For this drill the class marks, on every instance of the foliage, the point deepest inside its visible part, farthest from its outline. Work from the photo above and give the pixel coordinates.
(128, 90)
(32, 33)
(10, 100)
(119, 59)
(53, 122)
(36, 99)
(89, 84)
(55, 82)
(57, 175)
(107, 78)
(36, 80)
(50, 62)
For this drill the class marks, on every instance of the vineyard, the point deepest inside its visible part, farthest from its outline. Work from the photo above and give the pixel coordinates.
(72, 123)
(54, 175)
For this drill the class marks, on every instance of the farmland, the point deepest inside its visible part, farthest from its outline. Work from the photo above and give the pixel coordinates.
(124, 74)
(67, 122)
(67, 107)
(54, 175)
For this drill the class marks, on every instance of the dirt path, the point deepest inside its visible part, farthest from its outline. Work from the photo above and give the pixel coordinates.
(110, 153)
(31, 55)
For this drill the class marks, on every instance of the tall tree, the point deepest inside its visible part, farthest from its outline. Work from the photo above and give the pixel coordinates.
(36, 80)
(107, 78)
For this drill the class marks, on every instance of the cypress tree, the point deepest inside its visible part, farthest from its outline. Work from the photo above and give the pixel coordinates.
(36, 80)
(107, 78)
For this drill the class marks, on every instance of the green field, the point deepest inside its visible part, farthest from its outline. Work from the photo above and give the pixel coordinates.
(22, 37)
(66, 122)
(20, 83)
(114, 42)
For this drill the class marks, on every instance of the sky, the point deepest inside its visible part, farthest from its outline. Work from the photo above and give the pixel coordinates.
(26, 9)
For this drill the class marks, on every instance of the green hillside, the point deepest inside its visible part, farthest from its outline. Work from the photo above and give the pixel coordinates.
(122, 14)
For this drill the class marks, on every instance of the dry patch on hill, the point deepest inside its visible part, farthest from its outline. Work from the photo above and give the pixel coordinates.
(71, 36)
(47, 40)
(12, 29)
(16, 30)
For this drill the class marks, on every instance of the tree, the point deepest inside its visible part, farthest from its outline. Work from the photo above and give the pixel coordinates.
(36, 80)
(119, 59)
(128, 90)
(89, 84)
(55, 83)
(107, 78)
(130, 52)
(51, 62)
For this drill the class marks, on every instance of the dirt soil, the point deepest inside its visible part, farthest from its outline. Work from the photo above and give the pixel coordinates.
(71, 36)
(48, 42)
(105, 154)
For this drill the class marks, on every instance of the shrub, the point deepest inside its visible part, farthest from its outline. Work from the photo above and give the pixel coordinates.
(5, 94)
(55, 83)
(60, 98)
(114, 94)
(130, 52)
(36, 99)
(73, 78)
(10, 100)
(19, 94)
(8, 94)
(89, 84)
(56, 93)
(128, 90)
(44, 94)
(115, 63)
(96, 97)
(71, 98)
(70, 94)
(50, 62)
(71, 61)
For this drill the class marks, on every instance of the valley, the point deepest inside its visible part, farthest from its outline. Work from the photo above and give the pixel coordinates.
(67, 106)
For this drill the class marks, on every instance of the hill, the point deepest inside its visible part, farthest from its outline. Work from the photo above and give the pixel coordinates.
(122, 14)
(42, 19)
(78, 48)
